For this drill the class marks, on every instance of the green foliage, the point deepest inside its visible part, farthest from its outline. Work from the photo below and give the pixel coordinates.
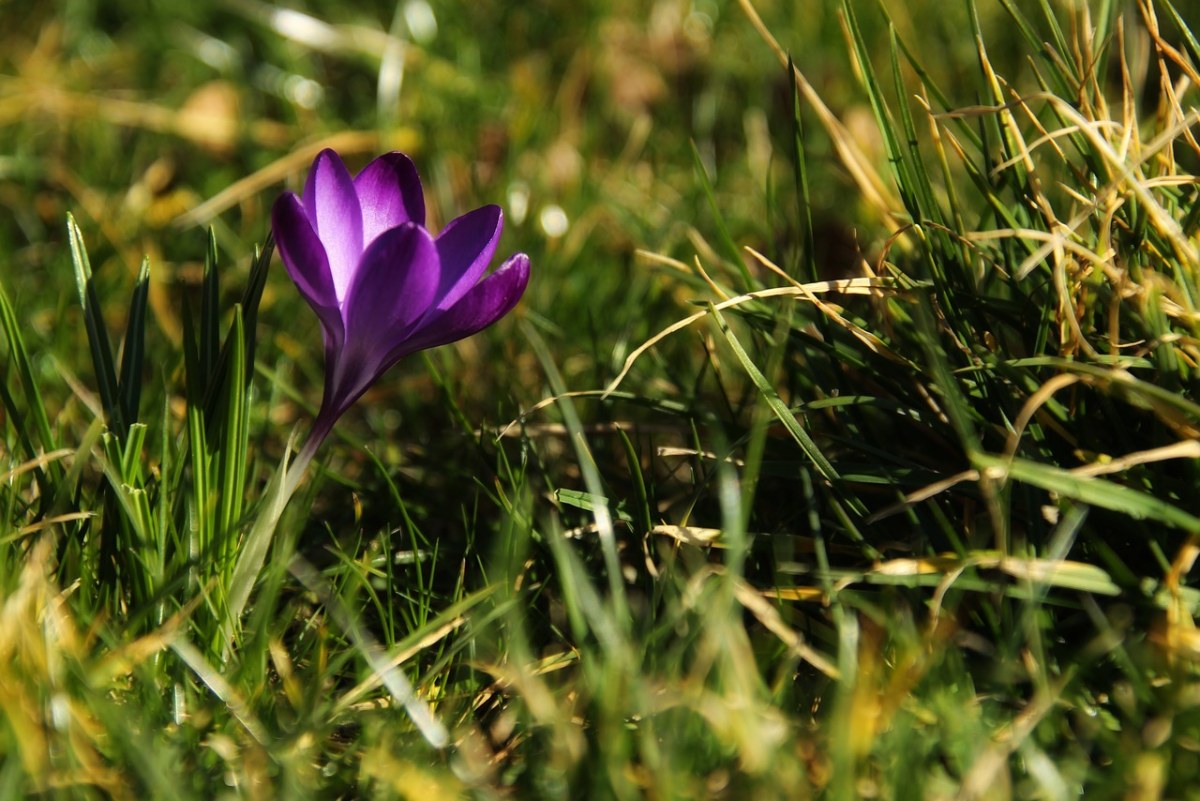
(844, 445)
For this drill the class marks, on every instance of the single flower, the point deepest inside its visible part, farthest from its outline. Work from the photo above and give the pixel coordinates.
(382, 285)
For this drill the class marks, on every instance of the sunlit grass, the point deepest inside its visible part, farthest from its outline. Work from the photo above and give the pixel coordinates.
(843, 446)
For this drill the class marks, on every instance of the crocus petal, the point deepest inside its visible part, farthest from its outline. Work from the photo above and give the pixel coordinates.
(389, 191)
(306, 262)
(393, 288)
(335, 214)
(484, 304)
(466, 247)
(395, 285)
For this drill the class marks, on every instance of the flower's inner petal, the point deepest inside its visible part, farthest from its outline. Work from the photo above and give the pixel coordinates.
(306, 262)
(389, 191)
(334, 212)
(466, 247)
(395, 285)
(484, 304)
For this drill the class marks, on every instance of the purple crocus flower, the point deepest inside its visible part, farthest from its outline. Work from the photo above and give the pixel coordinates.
(382, 285)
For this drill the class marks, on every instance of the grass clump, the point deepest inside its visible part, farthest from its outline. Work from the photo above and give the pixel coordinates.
(843, 447)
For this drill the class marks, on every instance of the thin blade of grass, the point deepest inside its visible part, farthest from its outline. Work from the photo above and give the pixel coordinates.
(210, 312)
(130, 382)
(1089, 489)
(800, 169)
(232, 470)
(33, 399)
(253, 551)
(641, 504)
(97, 334)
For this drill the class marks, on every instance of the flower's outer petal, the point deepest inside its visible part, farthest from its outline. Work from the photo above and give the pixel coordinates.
(394, 288)
(395, 285)
(484, 304)
(389, 191)
(334, 211)
(304, 257)
(466, 247)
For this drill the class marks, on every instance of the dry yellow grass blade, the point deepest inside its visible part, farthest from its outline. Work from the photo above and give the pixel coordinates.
(33, 528)
(1185, 449)
(34, 464)
(872, 342)
(804, 594)
(769, 616)
(692, 535)
(924, 494)
(1031, 407)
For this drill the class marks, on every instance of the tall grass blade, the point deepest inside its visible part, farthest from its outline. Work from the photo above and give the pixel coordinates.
(210, 313)
(35, 406)
(800, 173)
(97, 334)
(135, 346)
(232, 469)
(901, 173)
(253, 550)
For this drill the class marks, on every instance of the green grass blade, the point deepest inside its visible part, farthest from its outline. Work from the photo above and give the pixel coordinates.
(1090, 490)
(922, 189)
(132, 357)
(199, 523)
(1056, 31)
(1061, 84)
(252, 298)
(641, 499)
(1184, 30)
(210, 311)
(957, 408)
(253, 552)
(232, 469)
(800, 170)
(901, 171)
(33, 397)
(97, 334)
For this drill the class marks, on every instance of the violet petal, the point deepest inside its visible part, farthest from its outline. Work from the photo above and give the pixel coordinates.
(335, 214)
(389, 191)
(396, 283)
(303, 255)
(466, 247)
(484, 304)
